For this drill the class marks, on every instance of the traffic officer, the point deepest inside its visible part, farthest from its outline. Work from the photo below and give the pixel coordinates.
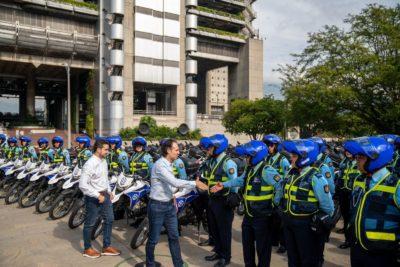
(324, 163)
(280, 163)
(3, 143)
(178, 167)
(83, 150)
(375, 204)
(27, 150)
(13, 151)
(262, 191)
(396, 159)
(347, 174)
(306, 193)
(117, 159)
(141, 161)
(43, 147)
(57, 154)
(219, 168)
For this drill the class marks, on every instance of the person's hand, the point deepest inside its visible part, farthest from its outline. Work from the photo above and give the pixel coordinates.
(101, 199)
(111, 196)
(200, 185)
(216, 188)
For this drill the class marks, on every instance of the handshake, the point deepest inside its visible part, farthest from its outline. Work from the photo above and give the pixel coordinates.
(202, 186)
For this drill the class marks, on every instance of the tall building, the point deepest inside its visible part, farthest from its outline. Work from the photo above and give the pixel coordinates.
(180, 61)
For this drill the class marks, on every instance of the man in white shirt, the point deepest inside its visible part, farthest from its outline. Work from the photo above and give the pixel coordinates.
(161, 209)
(95, 186)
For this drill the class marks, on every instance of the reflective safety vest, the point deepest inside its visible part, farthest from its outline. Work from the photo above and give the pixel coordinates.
(276, 164)
(299, 198)
(215, 175)
(257, 194)
(138, 166)
(11, 152)
(82, 157)
(348, 176)
(113, 161)
(58, 156)
(25, 153)
(378, 207)
(43, 154)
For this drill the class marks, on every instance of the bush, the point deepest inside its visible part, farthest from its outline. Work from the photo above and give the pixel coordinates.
(158, 132)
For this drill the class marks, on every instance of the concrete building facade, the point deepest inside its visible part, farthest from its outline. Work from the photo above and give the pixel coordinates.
(180, 61)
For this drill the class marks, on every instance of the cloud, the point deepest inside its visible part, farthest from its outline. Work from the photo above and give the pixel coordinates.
(285, 25)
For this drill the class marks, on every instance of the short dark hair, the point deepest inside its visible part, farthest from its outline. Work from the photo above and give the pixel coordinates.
(167, 144)
(99, 144)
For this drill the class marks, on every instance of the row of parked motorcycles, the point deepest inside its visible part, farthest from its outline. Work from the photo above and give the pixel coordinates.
(54, 189)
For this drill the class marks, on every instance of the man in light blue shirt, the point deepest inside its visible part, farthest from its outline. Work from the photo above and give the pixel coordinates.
(161, 209)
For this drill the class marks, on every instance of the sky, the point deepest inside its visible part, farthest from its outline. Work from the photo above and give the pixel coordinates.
(284, 25)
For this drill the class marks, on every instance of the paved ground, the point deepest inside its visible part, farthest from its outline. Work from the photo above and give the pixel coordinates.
(29, 239)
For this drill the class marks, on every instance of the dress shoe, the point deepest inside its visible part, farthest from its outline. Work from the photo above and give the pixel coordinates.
(221, 263)
(281, 250)
(213, 257)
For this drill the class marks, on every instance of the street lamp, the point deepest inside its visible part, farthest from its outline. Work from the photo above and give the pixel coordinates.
(67, 68)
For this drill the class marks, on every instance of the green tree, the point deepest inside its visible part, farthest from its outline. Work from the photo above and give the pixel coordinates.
(348, 82)
(255, 118)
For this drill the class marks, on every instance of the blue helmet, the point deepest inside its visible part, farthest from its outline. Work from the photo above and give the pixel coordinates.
(378, 151)
(3, 138)
(26, 139)
(389, 137)
(272, 139)
(12, 140)
(139, 141)
(117, 140)
(42, 140)
(254, 149)
(320, 142)
(57, 139)
(83, 139)
(219, 141)
(306, 149)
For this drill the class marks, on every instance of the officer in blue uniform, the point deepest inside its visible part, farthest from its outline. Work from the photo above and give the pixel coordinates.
(83, 150)
(3, 143)
(262, 191)
(57, 154)
(280, 163)
(117, 159)
(13, 151)
(219, 168)
(43, 147)
(375, 204)
(141, 161)
(306, 193)
(324, 163)
(27, 150)
(348, 172)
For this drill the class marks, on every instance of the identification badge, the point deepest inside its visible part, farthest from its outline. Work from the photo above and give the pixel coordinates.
(326, 189)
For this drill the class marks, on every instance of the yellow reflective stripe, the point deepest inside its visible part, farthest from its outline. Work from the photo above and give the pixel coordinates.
(295, 188)
(258, 198)
(386, 189)
(310, 199)
(381, 236)
(263, 188)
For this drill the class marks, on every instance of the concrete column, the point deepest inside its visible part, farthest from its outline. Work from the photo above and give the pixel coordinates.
(30, 93)
(246, 77)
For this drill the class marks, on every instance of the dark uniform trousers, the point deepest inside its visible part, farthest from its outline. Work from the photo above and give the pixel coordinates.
(220, 225)
(359, 257)
(344, 204)
(257, 231)
(302, 243)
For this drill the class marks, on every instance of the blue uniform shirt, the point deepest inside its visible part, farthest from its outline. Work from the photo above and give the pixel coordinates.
(31, 153)
(229, 166)
(268, 174)
(180, 166)
(123, 160)
(329, 176)
(65, 153)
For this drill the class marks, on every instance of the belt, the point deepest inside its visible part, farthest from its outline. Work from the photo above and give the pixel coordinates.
(161, 202)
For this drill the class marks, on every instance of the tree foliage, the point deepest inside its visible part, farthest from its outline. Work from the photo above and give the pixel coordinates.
(347, 82)
(255, 118)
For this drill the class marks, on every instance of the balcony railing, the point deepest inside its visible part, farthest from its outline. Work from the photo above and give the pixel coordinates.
(78, 4)
(221, 32)
(155, 112)
(238, 16)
